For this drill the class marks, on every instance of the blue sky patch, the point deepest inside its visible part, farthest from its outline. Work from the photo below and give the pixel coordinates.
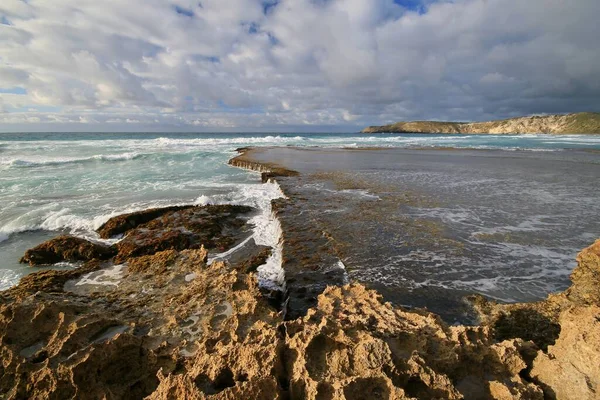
(253, 28)
(274, 41)
(269, 5)
(15, 90)
(413, 5)
(184, 11)
(202, 57)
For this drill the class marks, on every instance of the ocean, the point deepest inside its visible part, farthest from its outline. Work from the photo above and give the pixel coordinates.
(53, 183)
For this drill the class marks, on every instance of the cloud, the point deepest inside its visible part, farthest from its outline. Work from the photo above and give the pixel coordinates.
(253, 64)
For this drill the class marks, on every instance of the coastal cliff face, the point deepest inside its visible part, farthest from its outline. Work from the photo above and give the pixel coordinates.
(164, 323)
(581, 123)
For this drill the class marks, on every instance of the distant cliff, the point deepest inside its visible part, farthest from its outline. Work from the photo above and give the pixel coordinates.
(579, 123)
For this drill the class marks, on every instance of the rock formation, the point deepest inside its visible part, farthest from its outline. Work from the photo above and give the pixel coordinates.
(124, 222)
(214, 226)
(148, 232)
(168, 325)
(66, 248)
(566, 328)
(580, 123)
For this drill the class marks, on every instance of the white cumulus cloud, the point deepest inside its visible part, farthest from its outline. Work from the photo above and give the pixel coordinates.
(318, 64)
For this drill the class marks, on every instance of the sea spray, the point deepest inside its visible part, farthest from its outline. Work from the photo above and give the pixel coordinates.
(266, 229)
(271, 274)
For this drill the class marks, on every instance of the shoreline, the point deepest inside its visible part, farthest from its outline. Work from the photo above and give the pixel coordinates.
(168, 324)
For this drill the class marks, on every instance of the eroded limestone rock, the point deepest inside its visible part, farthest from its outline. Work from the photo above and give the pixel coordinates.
(353, 346)
(566, 328)
(92, 340)
(569, 370)
(168, 326)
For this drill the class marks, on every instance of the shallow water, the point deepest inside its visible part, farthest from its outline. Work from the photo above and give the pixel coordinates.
(427, 227)
(73, 182)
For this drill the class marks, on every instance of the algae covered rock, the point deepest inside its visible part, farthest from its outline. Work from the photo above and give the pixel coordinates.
(66, 248)
(216, 227)
(124, 222)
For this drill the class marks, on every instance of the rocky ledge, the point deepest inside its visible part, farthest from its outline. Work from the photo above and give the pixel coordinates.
(167, 324)
(147, 232)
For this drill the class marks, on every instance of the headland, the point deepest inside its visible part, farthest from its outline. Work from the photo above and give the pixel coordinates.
(579, 123)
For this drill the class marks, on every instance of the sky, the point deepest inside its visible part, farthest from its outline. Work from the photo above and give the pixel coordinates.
(291, 65)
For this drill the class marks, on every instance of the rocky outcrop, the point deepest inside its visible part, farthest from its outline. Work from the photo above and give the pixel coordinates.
(354, 346)
(585, 289)
(246, 160)
(580, 123)
(214, 227)
(569, 370)
(565, 326)
(122, 223)
(118, 331)
(168, 326)
(66, 248)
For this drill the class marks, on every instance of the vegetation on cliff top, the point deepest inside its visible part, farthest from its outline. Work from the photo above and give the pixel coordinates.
(580, 123)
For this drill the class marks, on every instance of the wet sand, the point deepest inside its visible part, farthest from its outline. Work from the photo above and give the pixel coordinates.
(428, 227)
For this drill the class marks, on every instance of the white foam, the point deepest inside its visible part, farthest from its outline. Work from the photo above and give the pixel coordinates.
(533, 223)
(9, 278)
(225, 254)
(361, 193)
(50, 161)
(106, 277)
(203, 200)
(178, 143)
(47, 218)
(271, 274)
(268, 232)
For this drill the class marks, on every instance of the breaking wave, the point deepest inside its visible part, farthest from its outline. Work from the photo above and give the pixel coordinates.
(45, 161)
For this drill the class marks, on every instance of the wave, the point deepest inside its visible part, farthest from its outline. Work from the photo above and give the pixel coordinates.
(172, 142)
(136, 148)
(266, 227)
(41, 162)
(9, 278)
(49, 219)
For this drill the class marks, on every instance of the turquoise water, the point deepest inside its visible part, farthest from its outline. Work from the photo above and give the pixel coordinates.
(73, 182)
